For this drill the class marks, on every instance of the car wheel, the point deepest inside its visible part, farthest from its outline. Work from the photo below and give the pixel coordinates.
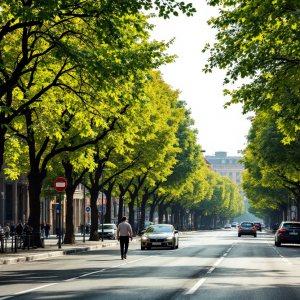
(255, 235)
(177, 244)
(278, 244)
(239, 235)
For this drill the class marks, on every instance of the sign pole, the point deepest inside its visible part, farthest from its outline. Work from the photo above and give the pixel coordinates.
(59, 226)
(60, 185)
(102, 206)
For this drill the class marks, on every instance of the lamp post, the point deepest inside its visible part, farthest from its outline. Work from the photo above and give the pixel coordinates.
(84, 209)
(102, 205)
(124, 206)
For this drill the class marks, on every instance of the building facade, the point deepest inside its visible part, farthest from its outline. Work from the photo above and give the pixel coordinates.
(227, 166)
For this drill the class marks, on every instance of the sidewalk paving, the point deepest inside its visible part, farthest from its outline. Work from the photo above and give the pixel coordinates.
(51, 249)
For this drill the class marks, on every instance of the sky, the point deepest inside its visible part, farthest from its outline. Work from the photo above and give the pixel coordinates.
(219, 129)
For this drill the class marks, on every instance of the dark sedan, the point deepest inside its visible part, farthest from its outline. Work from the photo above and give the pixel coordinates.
(288, 232)
(160, 235)
(247, 228)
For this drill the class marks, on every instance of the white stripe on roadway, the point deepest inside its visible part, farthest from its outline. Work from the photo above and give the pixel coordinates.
(37, 288)
(6, 297)
(218, 262)
(196, 286)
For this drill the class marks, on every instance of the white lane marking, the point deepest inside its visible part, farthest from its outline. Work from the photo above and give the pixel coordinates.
(37, 288)
(71, 279)
(225, 254)
(196, 286)
(118, 266)
(211, 270)
(218, 262)
(6, 297)
(87, 274)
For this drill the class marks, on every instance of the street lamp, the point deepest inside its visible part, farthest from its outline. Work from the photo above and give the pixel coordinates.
(102, 205)
(84, 209)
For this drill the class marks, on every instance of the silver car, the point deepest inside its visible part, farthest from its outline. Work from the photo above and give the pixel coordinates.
(160, 235)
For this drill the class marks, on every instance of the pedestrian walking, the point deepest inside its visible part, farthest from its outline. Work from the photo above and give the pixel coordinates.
(6, 230)
(12, 228)
(87, 228)
(19, 228)
(124, 232)
(81, 229)
(43, 229)
(47, 229)
(1, 229)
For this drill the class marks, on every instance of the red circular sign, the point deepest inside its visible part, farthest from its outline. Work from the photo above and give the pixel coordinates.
(60, 184)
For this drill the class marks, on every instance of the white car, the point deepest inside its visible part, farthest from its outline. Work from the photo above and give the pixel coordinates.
(227, 226)
(110, 231)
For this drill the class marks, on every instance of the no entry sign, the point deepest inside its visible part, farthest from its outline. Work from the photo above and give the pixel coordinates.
(60, 184)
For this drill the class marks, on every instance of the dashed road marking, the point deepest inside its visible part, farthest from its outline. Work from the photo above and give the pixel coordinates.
(196, 286)
(37, 288)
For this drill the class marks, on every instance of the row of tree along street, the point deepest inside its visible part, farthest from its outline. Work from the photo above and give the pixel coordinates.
(79, 95)
(259, 40)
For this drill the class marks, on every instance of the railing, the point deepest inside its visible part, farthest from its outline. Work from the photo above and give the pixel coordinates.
(17, 242)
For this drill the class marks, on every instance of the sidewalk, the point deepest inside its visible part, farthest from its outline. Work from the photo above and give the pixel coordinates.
(51, 249)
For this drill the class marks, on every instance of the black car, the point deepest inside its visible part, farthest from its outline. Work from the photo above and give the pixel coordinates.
(288, 232)
(247, 228)
(257, 225)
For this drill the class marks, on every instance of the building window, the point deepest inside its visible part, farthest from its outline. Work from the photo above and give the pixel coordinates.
(230, 173)
(238, 181)
(237, 173)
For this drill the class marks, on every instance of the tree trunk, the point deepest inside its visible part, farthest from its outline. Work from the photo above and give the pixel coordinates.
(108, 193)
(131, 215)
(152, 210)
(143, 212)
(35, 187)
(94, 215)
(166, 216)
(160, 213)
(70, 232)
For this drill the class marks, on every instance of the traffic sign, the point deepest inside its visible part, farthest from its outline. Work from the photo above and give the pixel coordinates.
(100, 208)
(87, 209)
(187, 210)
(294, 208)
(60, 184)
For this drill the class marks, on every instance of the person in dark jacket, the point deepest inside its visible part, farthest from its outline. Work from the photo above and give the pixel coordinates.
(12, 228)
(19, 228)
(47, 229)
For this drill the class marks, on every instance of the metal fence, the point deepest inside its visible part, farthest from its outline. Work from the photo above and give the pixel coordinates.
(17, 242)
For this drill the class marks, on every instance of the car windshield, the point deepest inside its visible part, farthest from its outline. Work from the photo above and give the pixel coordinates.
(247, 224)
(291, 225)
(159, 229)
(107, 226)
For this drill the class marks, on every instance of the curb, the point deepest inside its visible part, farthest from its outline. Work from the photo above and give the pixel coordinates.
(57, 253)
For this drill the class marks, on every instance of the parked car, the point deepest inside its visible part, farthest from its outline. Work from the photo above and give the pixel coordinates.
(109, 231)
(247, 228)
(257, 225)
(227, 226)
(160, 235)
(288, 233)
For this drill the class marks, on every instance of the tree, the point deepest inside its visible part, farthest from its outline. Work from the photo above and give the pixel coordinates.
(259, 41)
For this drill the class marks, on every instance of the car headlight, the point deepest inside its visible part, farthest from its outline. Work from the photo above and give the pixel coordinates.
(169, 238)
(144, 238)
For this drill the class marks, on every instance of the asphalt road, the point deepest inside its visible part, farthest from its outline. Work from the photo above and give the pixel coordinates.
(207, 265)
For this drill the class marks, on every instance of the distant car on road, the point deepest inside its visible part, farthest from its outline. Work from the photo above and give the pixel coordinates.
(227, 226)
(160, 235)
(247, 228)
(288, 233)
(234, 224)
(257, 225)
(110, 231)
